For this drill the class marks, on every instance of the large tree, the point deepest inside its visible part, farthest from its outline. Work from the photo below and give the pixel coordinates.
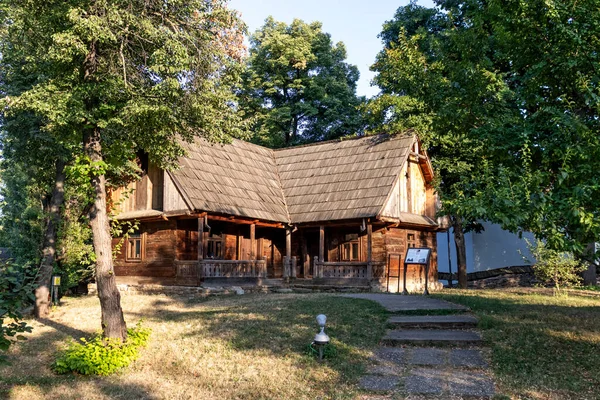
(510, 89)
(297, 86)
(113, 78)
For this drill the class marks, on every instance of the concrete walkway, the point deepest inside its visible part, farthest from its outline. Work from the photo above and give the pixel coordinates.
(413, 362)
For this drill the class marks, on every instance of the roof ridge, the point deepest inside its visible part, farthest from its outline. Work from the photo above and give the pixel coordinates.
(403, 135)
(285, 202)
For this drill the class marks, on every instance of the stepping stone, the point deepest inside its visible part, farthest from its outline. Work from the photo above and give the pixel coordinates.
(376, 383)
(470, 384)
(397, 302)
(467, 358)
(434, 321)
(427, 356)
(421, 337)
(393, 354)
(384, 369)
(425, 381)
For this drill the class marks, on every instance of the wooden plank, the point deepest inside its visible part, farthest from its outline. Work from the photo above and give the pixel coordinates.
(305, 256)
(408, 188)
(245, 221)
(253, 242)
(200, 238)
(288, 243)
(321, 243)
(369, 250)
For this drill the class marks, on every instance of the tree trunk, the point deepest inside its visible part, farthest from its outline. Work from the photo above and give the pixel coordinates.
(113, 323)
(589, 275)
(461, 252)
(42, 291)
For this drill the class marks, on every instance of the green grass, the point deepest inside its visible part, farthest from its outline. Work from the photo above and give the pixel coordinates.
(246, 347)
(543, 346)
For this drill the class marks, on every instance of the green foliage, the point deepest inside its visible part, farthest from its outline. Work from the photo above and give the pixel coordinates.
(329, 351)
(559, 269)
(160, 71)
(505, 95)
(297, 86)
(100, 356)
(16, 293)
(122, 229)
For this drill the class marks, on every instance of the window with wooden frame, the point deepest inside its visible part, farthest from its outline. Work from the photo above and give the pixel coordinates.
(350, 249)
(214, 247)
(135, 247)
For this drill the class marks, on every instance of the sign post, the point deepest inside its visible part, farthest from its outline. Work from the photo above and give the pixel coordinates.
(419, 256)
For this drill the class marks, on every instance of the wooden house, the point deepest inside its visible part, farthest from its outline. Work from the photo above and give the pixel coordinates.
(340, 212)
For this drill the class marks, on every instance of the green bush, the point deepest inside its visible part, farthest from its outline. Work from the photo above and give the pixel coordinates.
(100, 356)
(553, 267)
(16, 293)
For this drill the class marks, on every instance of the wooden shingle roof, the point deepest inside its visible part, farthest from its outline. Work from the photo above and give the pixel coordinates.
(238, 179)
(320, 182)
(341, 179)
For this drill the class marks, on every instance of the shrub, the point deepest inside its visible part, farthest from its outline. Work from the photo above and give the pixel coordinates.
(16, 293)
(553, 267)
(100, 356)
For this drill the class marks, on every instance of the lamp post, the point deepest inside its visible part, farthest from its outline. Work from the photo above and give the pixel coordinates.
(55, 286)
(321, 338)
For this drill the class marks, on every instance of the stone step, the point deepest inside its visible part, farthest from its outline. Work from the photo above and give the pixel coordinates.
(436, 337)
(433, 321)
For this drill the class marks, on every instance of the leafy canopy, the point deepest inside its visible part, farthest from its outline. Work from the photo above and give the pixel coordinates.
(297, 85)
(505, 93)
(144, 72)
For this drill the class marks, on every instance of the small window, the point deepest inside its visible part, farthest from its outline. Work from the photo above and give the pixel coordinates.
(410, 240)
(134, 247)
(350, 251)
(214, 248)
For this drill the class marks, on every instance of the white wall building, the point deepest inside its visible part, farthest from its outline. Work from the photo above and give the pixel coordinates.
(492, 248)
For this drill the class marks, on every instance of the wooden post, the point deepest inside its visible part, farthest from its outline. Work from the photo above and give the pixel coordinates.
(426, 291)
(404, 291)
(321, 243)
(288, 242)
(369, 251)
(294, 264)
(253, 242)
(286, 267)
(200, 238)
(318, 273)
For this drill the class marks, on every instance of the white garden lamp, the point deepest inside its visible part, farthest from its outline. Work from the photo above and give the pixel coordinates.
(321, 338)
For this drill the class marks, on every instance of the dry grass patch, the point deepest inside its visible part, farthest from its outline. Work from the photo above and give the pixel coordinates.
(543, 346)
(245, 347)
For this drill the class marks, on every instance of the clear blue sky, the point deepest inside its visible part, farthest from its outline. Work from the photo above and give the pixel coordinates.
(354, 22)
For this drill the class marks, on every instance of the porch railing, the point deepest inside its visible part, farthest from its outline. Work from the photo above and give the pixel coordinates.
(348, 269)
(221, 269)
(233, 268)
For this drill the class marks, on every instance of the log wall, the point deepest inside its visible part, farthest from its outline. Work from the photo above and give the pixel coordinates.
(159, 254)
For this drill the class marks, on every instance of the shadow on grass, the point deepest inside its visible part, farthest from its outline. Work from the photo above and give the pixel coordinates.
(67, 330)
(538, 342)
(40, 352)
(78, 387)
(283, 325)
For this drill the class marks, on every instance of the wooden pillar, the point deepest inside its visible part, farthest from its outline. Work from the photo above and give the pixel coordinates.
(287, 260)
(321, 243)
(369, 250)
(305, 257)
(408, 187)
(288, 243)
(253, 242)
(200, 238)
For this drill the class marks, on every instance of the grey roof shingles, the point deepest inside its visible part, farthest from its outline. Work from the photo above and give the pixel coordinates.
(319, 182)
